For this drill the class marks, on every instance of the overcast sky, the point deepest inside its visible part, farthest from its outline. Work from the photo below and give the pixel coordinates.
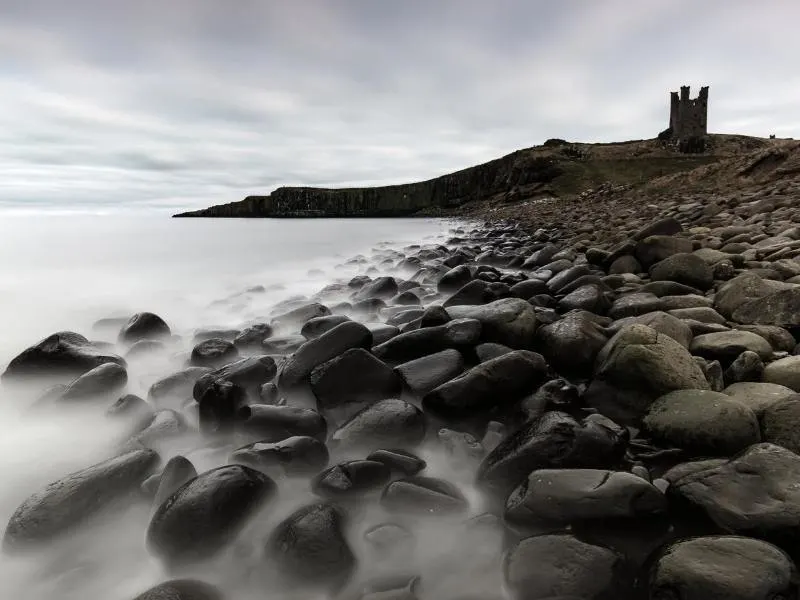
(165, 104)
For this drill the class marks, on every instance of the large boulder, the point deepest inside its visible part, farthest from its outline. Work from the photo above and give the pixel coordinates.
(267, 423)
(740, 291)
(780, 308)
(702, 422)
(753, 494)
(213, 353)
(511, 321)
(249, 373)
(726, 346)
(758, 396)
(424, 374)
(785, 371)
(351, 479)
(144, 325)
(389, 423)
(780, 423)
(454, 279)
(656, 248)
(173, 390)
(423, 496)
(100, 383)
(205, 515)
(299, 455)
(723, 568)
(571, 344)
(64, 356)
(66, 504)
(684, 268)
(333, 384)
(459, 334)
(493, 384)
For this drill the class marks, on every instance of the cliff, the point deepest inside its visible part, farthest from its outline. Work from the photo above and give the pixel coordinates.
(555, 169)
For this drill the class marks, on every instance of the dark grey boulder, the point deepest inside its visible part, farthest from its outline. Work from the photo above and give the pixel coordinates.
(748, 366)
(454, 279)
(219, 405)
(478, 292)
(723, 568)
(654, 249)
(206, 514)
(634, 305)
(625, 264)
(63, 356)
(251, 337)
(399, 461)
(201, 335)
(727, 346)
(98, 384)
(553, 440)
(281, 345)
(351, 479)
(313, 328)
(388, 423)
(529, 288)
(297, 316)
(249, 373)
(381, 287)
(780, 423)
(424, 374)
(174, 389)
(182, 589)
(591, 297)
(213, 353)
(781, 308)
(571, 344)
(741, 291)
(489, 350)
(381, 332)
(556, 394)
(309, 549)
(264, 423)
(71, 501)
(561, 280)
(494, 384)
(551, 567)
(665, 226)
(434, 316)
(142, 326)
(510, 321)
(296, 456)
(423, 496)
(457, 334)
(333, 383)
(298, 367)
(177, 472)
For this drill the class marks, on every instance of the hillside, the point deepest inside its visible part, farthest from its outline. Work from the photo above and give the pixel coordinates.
(556, 169)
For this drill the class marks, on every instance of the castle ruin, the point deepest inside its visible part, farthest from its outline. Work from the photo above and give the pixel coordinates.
(688, 119)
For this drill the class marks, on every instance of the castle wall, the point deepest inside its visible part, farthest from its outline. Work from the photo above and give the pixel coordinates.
(688, 116)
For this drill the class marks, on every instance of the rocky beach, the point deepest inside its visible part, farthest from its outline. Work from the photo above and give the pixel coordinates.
(595, 400)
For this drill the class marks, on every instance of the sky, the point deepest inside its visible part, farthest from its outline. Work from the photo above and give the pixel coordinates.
(114, 105)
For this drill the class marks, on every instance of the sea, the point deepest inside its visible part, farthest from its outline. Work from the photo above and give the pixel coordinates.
(62, 273)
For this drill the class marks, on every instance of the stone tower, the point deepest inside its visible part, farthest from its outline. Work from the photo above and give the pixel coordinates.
(688, 118)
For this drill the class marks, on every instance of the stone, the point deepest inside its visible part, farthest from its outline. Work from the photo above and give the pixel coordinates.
(635, 304)
(457, 334)
(250, 338)
(779, 338)
(591, 297)
(478, 292)
(785, 371)
(702, 422)
(529, 288)
(780, 421)
(309, 549)
(455, 279)
(381, 287)
(205, 515)
(144, 348)
(742, 290)
(265, 423)
(219, 405)
(758, 396)
(625, 264)
(175, 389)
(333, 383)
(299, 315)
(781, 308)
(62, 356)
(381, 332)
(571, 344)
(176, 473)
(249, 373)
(98, 384)
(550, 567)
(213, 353)
(66, 504)
(748, 366)
(728, 345)
(493, 384)
(684, 268)
(489, 350)
(351, 479)
(424, 374)
(723, 568)
(655, 248)
(388, 423)
(142, 326)
(511, 321)
(182, 589)
(313, 328)
(423, 496)
(399, 461)
(296, 456)
(668, 226)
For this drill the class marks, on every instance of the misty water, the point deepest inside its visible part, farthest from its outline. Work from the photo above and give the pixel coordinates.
(65, 273)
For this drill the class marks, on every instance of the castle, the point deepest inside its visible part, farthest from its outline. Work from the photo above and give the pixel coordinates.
(688, 119)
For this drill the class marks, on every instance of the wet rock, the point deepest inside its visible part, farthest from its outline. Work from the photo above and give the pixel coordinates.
(703, 423)
(219, 406)
(684, 268)
(592, 298)
(351, 479)
(661, 322)
(742, 290)
(63, 355)
(202, 335)
(424, 374)
(561, 497)
(399, 461)
(99, 383)
(529, 288)
(478, 292)
(494, 384)
(785, 371)
(205, 515)
(560, 566)
(182, 589)
(309, 548)
(727, 346)
(656, 248)
(455, 279)
(381, 287)
(423, 496)
(142, 326)
(177, 472)
(387, 423)
(313, 328)
(488, 351)
(282, 344)
(779, 423)
(635, 304)
(723, 568)
(758, 396)
(781, 308)
(571, 345)
(381, 332)
(333, 383)
(130, 406)
(554, 440)
(300, 315)
(625, 264)
(213, 353)
(298, 367)
(556, 394)
(71, 501)
(754, 494)
(260, 422)
(249, 373)
(174, 389)
(295, 456)
(251, 338)
(748, 366)
(510, 321)
(457, 334)
(164, 425)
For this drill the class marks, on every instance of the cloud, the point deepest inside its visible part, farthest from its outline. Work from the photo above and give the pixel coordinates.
(155, 105)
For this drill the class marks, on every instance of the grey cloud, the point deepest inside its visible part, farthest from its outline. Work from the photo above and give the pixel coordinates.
(164, 105)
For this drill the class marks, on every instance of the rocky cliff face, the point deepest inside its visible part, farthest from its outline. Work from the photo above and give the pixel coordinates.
(446, 192)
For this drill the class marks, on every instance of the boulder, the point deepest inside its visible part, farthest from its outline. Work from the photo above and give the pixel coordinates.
(423, 496)
(296, 456)
(381, 287)
(206, 515)
(478, 292)
(591, 297)
(758, 396)
(726, 346)
(299, 315)
(785, 371)
(333, 383)
(635, 304)
(266, 423)
(71, 501)
(702, 422)
(175, 389)
(142, 326)
(741, 290)
(684, 268)
(213, 353)
(723, 568)
(351, 479)
(748, 366)
(571, 344)
(100, 383)
(424, 374)
(250, 338)
(176, 473)
(458, 334)
(388, 423)
(781, 308)
(313, 328)
(510, 321)
(249, 373)
(494, 384)
(780, 423)
(218, 406)
(399, 461)
(655, 248)
(455, 279)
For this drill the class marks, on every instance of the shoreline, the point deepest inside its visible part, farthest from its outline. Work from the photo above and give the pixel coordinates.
(549, 389)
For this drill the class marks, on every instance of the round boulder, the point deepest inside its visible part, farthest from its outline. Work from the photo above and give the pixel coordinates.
(144, 325)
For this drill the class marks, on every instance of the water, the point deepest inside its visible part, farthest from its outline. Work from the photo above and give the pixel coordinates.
(64, 273)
